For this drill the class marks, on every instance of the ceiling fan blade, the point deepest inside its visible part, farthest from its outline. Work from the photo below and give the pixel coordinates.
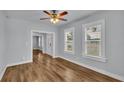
(47, 13)
(62, 19)
(63, 13)
(44, 18)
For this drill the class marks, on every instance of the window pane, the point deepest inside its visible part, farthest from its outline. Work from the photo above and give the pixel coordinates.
(69, 41)
(69, 46)
(93, 40)
(93, 33)
(69, 36)
(93, 48)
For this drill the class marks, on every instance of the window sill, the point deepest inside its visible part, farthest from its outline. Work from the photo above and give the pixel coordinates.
(101, 59)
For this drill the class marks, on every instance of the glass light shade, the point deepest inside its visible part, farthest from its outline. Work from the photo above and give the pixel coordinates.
(54, 20)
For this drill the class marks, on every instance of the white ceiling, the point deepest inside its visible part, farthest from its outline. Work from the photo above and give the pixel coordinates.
(35, 15)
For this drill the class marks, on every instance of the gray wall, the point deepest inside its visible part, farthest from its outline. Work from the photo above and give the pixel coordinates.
(36, 36)
(35, 42)
(19, 39)
(114, 22)
(2, 43)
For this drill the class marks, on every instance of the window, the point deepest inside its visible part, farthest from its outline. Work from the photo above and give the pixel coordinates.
(69, 40)
(94, 40)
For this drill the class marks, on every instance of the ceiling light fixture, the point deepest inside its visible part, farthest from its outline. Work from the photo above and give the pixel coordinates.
(54, 20)
(54, 16)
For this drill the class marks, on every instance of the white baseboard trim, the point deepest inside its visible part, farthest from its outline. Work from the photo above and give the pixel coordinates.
(1, 74)
(19, 63)
(96, 69)
(56, 56)
(53, 56)
(13, 64)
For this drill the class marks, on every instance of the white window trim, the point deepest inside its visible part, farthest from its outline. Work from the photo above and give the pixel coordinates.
(39, 41)
(72, 29)
(101, 58)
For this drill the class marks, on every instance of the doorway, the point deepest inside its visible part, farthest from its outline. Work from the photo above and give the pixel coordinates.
(43, 41)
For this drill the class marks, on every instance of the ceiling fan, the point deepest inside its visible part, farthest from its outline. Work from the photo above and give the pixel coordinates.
(54, 16)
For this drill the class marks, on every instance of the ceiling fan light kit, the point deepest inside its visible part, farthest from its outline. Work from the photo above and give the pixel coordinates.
(54, 16)
(54, 20)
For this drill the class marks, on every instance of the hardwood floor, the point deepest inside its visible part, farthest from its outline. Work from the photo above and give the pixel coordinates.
(46, 69)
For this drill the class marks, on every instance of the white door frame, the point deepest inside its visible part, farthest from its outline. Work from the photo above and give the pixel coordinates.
(40, 31)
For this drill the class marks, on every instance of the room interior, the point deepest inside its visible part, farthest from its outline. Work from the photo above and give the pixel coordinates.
(81, 46)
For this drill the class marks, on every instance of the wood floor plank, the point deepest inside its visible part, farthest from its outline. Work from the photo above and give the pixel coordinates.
(44, 68)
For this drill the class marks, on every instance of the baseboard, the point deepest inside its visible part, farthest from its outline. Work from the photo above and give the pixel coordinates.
(50, 55)
(121, 78)
(19, 63)
(56, 56)
(1, 75)
(37, 49)
(13, 64)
